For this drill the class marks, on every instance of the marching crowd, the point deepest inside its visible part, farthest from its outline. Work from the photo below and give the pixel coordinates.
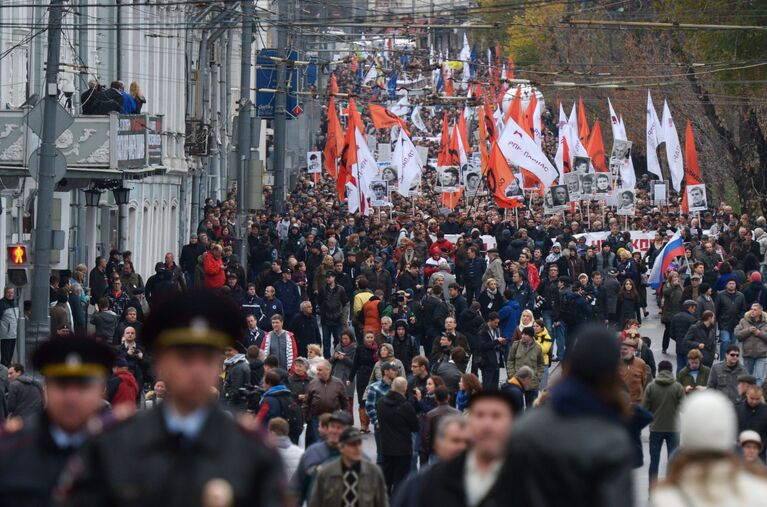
(513, 372)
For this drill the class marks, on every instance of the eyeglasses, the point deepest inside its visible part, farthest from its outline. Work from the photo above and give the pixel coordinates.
(733, 354)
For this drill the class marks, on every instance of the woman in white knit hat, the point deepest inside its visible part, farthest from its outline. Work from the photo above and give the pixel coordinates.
(706, 471)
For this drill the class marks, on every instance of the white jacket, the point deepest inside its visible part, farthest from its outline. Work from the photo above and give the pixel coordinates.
(745, 490)
(290, 454)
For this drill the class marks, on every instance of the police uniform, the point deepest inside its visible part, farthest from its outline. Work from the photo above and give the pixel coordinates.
(32, 458)
(159, 459)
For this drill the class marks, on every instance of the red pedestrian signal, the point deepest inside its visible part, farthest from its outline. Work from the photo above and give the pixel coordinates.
(17, 255)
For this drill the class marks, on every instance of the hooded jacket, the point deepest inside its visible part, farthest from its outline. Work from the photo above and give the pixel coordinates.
(272, 404)
(754, 344)
(126, 388)
(236, 374)
(25, 397)
(663, 397)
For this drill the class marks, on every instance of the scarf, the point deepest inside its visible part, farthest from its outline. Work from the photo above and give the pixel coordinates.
(374, 347)
(492, 292)
(234, 359)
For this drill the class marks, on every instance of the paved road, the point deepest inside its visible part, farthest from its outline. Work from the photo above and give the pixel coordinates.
(652, 328)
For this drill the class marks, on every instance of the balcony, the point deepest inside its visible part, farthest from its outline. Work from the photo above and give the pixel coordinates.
(96, 147)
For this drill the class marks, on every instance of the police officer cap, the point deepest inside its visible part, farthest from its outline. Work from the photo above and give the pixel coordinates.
(197, 318)
(73, 357)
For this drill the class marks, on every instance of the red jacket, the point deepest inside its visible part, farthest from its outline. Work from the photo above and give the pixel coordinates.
(215, 274)
(127, 391)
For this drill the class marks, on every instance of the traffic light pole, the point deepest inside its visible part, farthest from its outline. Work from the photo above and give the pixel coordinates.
(41, 266)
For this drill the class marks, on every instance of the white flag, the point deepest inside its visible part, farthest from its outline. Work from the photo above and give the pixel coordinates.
(628, 176)
(415, 117)
(559, 158)
(401, 107)
(673, 149)
(407, 163)
(465, 57)
(520, 150)
(574, 142)
(653, 128)
(372, 74)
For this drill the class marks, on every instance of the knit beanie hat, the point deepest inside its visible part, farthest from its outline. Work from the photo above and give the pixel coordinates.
(756, 276)
(595, 356)
(707, 422)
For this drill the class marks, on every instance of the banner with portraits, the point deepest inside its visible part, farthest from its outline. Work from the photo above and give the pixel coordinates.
(659, 192)
(388, 173)
(573, 183)
(626, 202)
(581, 164)
(448, 179)
(556, 199)
(473, 183)
(379, 195)
(603, 185)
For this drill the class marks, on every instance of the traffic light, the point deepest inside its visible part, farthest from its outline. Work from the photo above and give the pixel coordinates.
(17, 255)
(18, 261)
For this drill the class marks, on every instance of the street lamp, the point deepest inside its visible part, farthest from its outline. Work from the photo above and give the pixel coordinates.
(92, 197)
(121, 195)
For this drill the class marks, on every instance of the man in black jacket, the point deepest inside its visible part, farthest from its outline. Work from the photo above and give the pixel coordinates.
(396, 422)
(136, 462)
(304, 327)
(188, 258)
(702, 336)
(487, 352)
(332, 299)
(434, 311)
(473, 270)
(680, 324)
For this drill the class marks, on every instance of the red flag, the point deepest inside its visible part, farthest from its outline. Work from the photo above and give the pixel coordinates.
(449, 92)
(483, 135)
(510, 69)
(583, 123)
(443, 156)
(332, 84)
(565, 157)
(451, 199)
(515, 108)
(454, 150)
(463, 130)
(490, 126)
(499, 177)
(348, 155)
(383, 118)
(529, 114)
(334, 143)
(692, 169)
(596, 149)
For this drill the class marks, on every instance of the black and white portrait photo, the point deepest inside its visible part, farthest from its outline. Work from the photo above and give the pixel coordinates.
(379, 195)
(587, 185)
(314, 162)
(514, 189)
(626, 200)
(581, 164)
(696, 197)
(560, 197)
(603, 185)
(448, 179)
(472, 181)
(573, 183)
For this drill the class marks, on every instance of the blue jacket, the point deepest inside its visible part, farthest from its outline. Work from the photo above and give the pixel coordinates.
(510, 314)
(271, 406)
(290, 295)
(270, 308)
(473, 271)
(129, 104)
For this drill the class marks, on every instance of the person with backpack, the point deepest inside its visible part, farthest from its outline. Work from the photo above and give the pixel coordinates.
(278, 401)
(404, 344)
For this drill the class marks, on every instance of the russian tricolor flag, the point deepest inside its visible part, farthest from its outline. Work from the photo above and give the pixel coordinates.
(673, 249)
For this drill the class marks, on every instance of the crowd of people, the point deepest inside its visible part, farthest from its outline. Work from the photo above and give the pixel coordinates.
(513, 371)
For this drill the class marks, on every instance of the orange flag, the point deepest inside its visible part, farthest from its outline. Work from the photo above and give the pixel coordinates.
(384, 119)
(332, 85)
(583, 123)
(499, 177)
(464, 132)
(510, 68)
(449, 92)
(454, 150)
(692, 169)
(348, 155)
(443, 156)
(451, 199)
(334, 144)
(528, 118)
(515, 108)
(490, 126)
(596, 149)
(565, 157)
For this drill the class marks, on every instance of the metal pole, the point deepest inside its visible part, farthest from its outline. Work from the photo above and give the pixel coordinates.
(41, 269)
(280, 120)
(122, 225)
(227, 118)
(243, 130)
(82, 44)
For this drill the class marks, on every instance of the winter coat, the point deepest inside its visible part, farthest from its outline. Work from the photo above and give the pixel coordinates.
(680, 324)
(371, 319)
(663, 397)
(604, 263)
(699, 333)
(272, 404)
(448, 371)
(396, 422)
(215, 274)
(305, 330)
(324, 396)
(486, 349)
(612, 288)
(685, 377)
(729, 308)
(489, 303)
(754, 344)
(290, 454)
(24, 398)
(473, 271)
(495, 270)
(429, 426)
(9, 317)
(291, 350)
(328, 487)
(634, 375)
(725, 379)
(122, 389)
(672, 302)
(405, 350)
(332, 301)
(510, 313)
(527, 354)
(544, 340)
(342, 368)
(236, 375)
(434, 311)
(290, 296)
(723, 486)
(565, 465)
